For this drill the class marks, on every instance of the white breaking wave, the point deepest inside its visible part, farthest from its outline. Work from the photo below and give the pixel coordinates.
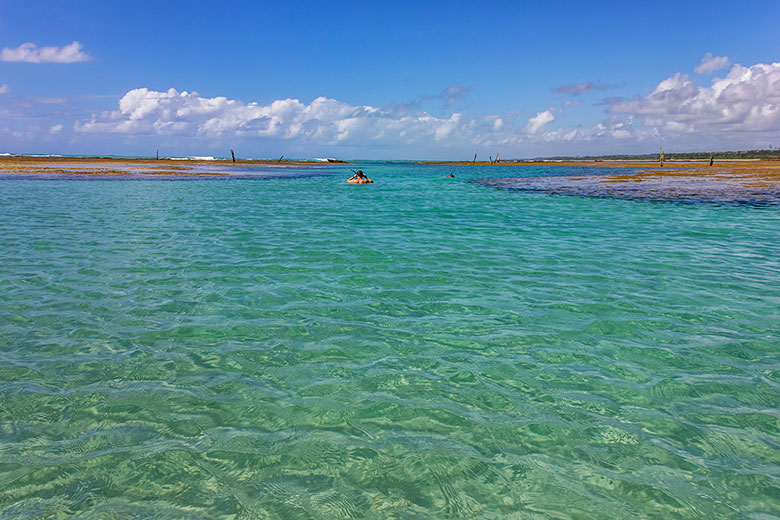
(194, 158)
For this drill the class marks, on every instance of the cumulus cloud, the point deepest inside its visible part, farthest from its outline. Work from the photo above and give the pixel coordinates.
(746, 100)
(4, 89)
(710, 64)
(31, 53)
(56, 129)
(579, 88)
(324, 120)
(539, 121)
(741, 109)
(614, 129)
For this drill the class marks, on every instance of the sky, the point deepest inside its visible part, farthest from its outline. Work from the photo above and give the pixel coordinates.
(388, 80)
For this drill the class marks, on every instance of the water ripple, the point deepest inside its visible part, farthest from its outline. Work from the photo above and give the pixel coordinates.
(294, 349)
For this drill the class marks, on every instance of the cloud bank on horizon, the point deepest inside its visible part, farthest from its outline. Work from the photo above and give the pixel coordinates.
(738, 109)
(744, 103)
(323, 121)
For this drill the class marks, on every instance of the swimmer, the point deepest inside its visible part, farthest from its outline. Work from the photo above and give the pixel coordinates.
(359, 178)
(450, 176)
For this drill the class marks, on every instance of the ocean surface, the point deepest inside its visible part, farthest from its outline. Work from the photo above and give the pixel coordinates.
(288, 346)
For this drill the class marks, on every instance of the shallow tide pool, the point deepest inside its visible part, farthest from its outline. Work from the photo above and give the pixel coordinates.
(417, 348)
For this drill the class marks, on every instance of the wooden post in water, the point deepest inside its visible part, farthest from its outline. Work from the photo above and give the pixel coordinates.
(157, 157)
(280, 158)
(662, 158)
(490, 159)
(712, 159)
(475, 156)
(233, 155)
(497, 159)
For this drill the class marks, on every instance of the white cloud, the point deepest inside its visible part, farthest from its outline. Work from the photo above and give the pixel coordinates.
(56, 129)
(539, 121)
(4, 89)
(746, 100)
(452, 94)
(579, 88)
(710, 64)
(31, 53)
(740, 110)
(614, 128)
(324, 120)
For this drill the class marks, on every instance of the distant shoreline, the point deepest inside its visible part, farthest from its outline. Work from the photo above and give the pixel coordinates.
(172, 161)
(113, 166)
(616, 163)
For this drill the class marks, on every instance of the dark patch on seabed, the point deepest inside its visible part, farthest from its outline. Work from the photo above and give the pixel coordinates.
(684, 192)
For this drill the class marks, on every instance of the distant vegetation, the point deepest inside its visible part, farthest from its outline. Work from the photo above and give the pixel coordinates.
(771, 154)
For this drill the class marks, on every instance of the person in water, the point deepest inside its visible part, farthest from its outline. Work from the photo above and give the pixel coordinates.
(359, 178)
(450, 176)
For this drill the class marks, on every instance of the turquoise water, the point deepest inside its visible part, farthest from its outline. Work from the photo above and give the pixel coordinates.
(417, 348)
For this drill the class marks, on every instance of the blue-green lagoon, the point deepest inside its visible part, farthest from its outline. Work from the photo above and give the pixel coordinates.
(288, 346)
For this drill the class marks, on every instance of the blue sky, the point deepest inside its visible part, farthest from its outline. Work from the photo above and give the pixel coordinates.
(388, 80)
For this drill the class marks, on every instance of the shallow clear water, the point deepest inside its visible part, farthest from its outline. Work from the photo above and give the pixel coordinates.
(417, 348)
